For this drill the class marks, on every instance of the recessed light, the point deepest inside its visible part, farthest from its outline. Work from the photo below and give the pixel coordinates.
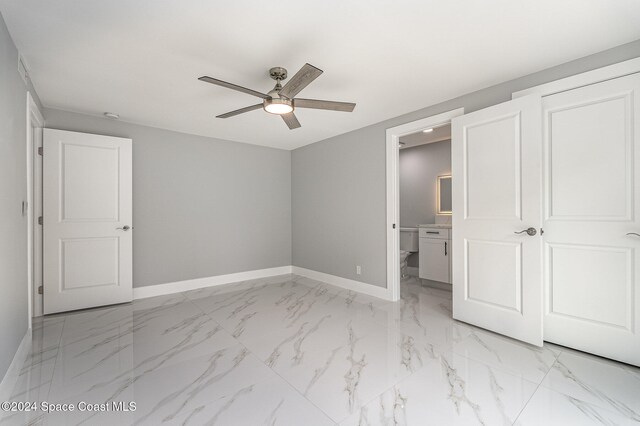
(111, 115)
(427, 130)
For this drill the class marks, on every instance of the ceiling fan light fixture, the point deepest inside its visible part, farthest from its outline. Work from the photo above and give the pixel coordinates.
(278, 106)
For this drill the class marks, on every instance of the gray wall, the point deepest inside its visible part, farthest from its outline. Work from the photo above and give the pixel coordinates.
(420, 167)
(335, 184)
(339, 184)
(13, 190)
(201, 206)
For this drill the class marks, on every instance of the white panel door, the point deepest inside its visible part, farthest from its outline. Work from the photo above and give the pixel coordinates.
(87, 209)
(496, 170)
(591, 277)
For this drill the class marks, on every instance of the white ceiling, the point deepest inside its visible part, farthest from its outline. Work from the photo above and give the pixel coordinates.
(438, 134)
(141, 58)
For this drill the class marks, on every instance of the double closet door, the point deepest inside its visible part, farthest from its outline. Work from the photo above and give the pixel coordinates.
(562, 169)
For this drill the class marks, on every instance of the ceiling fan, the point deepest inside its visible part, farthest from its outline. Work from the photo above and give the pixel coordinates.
(281, 100)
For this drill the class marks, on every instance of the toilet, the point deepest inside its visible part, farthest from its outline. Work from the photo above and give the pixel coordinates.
(408, 245)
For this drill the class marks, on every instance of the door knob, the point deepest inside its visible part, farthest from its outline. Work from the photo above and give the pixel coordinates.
(530, 232)
(125, 228)
(633, 233)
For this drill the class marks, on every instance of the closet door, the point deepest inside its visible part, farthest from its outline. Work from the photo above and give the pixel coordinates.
(591, 206)
(497, 196)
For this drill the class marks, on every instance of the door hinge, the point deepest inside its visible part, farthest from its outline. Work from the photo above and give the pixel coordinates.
(394, 226)
(39, 150)
(40, 220)
(40, 290)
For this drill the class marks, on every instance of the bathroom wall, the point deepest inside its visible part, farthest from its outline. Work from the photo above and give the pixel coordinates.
(419, 168)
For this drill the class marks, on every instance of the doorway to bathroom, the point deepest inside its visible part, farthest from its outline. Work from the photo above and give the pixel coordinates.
(418, 156)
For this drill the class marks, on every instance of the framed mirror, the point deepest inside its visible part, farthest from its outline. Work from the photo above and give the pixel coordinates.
(444, 194)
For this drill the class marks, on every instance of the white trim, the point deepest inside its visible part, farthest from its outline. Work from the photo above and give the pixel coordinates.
(35, 122)
(13, 372)
(357, 286)
(180, 286)
(393, 215)
(38, 300)
(620, 69)
(393, 201)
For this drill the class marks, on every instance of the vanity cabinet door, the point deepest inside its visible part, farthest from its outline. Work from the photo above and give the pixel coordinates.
(434, 259)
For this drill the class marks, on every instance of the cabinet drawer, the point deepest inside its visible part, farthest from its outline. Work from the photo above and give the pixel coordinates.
(439, 233)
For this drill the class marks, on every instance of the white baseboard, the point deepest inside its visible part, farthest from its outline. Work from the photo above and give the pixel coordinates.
(13, 372)
(358, 286)
(180, 286)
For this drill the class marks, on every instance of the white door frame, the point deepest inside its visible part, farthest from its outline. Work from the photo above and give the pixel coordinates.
(393, 191)
(35, 123)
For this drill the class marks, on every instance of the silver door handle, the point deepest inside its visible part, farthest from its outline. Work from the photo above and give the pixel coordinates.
(125, 228)
(530, 232)
(633, 233)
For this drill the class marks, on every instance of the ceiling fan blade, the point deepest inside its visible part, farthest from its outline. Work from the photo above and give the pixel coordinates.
(306, 75)
(291, 120)
(240, 111)
(320, 104)
(233, 86)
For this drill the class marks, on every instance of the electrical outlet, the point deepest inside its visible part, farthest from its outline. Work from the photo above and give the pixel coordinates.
(358, 269)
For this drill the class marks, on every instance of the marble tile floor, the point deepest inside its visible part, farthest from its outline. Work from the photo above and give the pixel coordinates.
(292, 351)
